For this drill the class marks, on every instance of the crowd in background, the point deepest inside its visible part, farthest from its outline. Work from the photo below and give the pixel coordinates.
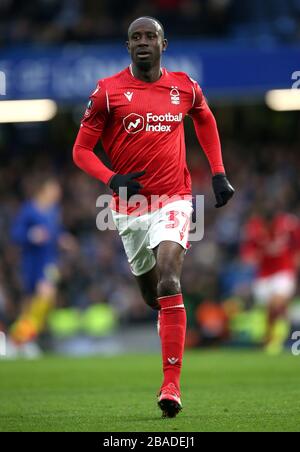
(96, 270)
(56, 21)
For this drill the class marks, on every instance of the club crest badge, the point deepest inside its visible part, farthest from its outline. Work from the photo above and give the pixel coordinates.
(175, 96)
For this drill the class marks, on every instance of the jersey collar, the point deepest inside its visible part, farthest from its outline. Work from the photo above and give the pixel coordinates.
(162, 73)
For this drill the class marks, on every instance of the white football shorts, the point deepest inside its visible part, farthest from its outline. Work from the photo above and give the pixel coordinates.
(140, 235)
(282, 284)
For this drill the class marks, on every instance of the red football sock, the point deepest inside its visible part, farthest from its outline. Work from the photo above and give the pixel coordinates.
(172, 335)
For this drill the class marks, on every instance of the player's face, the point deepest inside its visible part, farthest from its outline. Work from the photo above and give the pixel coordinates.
(52, 192)
(146, 44)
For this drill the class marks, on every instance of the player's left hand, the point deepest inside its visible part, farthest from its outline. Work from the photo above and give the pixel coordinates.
(223, 189)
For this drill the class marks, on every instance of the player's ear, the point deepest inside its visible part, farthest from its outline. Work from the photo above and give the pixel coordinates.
(165, 45)
(127, 46)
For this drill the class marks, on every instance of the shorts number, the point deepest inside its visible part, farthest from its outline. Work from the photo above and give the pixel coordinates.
(173, 218)
(175, 222)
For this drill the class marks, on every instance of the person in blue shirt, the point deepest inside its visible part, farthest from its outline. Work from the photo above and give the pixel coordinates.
(38, 231)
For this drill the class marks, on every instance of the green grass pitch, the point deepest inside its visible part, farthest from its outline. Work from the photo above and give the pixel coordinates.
(221, 391)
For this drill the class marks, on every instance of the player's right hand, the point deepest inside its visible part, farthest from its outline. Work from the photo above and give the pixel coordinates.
(128, 181)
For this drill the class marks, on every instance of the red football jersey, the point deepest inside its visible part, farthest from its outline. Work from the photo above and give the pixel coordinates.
(141, 128)
(273, 247)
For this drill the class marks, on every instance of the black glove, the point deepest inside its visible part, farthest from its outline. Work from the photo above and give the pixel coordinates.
(126, 180)
(222, 188)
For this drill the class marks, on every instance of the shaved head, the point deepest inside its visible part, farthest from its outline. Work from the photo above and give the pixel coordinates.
(146, 42)
(147, 20)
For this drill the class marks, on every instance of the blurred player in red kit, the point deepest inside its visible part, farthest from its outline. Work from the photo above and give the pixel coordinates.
(272, 243)
(138, 114)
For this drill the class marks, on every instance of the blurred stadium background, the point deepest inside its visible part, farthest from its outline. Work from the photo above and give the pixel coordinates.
(238, 51)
